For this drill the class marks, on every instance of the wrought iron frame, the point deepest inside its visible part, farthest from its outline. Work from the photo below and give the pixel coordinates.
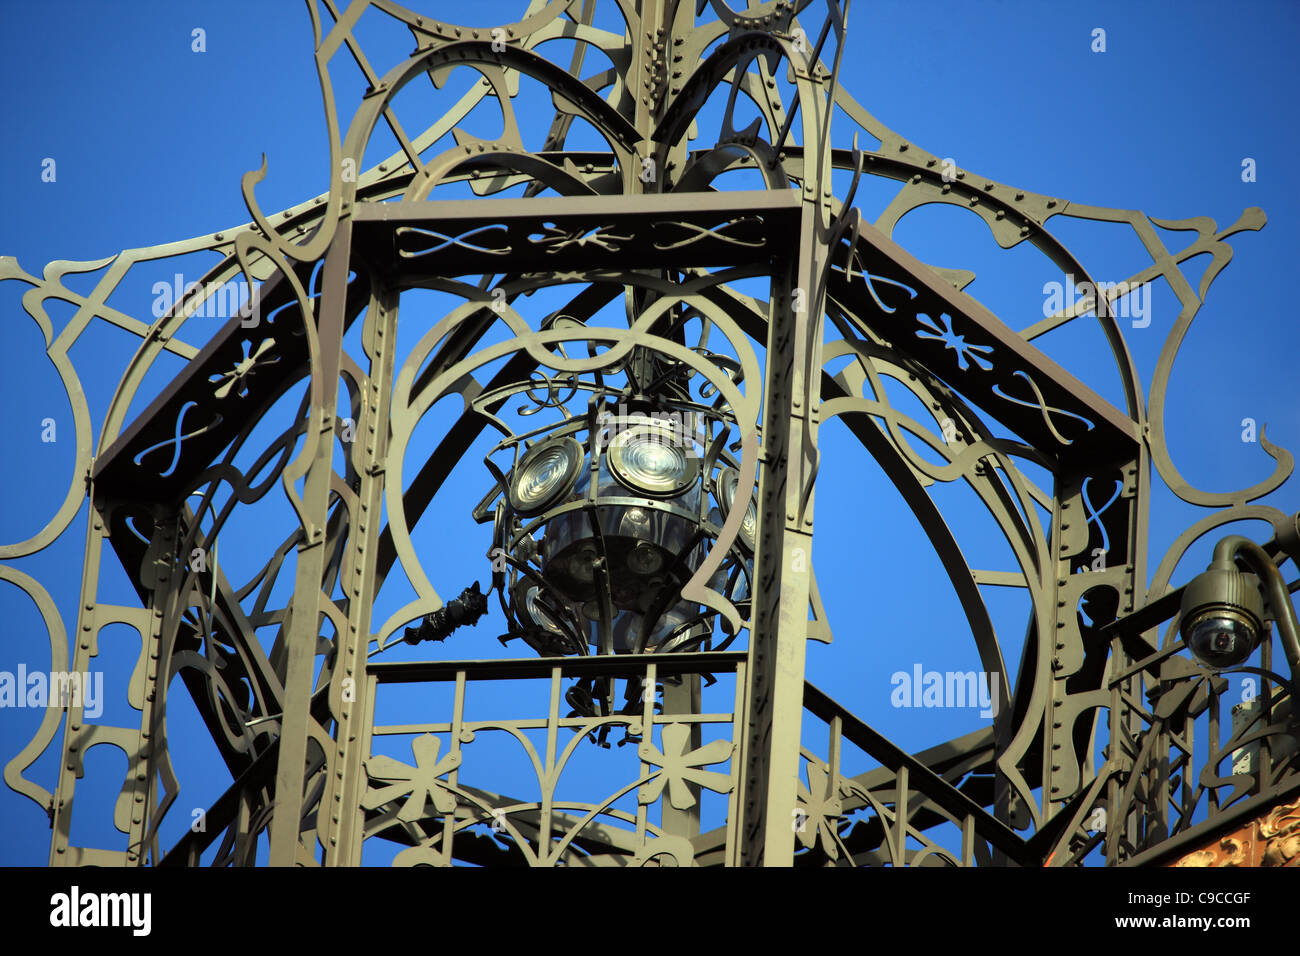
(299, 746)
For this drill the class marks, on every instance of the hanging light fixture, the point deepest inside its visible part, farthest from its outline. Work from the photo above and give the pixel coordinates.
(603, 532)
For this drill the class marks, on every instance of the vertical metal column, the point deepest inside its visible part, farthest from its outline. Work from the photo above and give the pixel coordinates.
(764, 834)
(161, 574)
(343, 822)
(303, 628)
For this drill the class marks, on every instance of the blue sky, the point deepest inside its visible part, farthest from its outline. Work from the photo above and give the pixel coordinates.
(150, 139)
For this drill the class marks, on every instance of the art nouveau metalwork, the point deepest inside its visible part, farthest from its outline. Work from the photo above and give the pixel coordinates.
(630, 562)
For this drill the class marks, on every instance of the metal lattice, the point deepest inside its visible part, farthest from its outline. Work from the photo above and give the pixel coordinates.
(641, 219)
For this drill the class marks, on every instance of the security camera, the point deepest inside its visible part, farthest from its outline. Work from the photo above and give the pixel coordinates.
(1222, 615)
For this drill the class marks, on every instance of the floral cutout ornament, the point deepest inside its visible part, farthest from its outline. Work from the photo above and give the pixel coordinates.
(819, 811)
(942, 331)
(236, 379)
(681, 768)
(420, 781)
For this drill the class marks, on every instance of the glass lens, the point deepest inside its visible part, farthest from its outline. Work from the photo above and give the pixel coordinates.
(539, 613)
(728, 483)
(647, 460)
(645, 559)
(1222, 641)
(543, 477)
(652, 463)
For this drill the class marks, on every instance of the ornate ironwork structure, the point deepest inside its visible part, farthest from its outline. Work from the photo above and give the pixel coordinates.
(650, 494)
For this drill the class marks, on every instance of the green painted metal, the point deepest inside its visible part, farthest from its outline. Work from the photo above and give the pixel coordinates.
(295, 725)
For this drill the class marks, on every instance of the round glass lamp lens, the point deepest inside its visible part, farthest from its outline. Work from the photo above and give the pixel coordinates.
(728, 483)
(539, 613)
(544, 476)
(648, 461)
